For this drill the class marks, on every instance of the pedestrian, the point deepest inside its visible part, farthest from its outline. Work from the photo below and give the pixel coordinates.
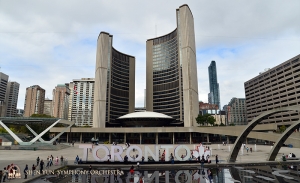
(182, 156)
(5, 174)
(41, 166)
(251, 149)
(143, 159)
(56, 161)
(131, 169)
(116, 176)
(37, 161)
(33, 169)
(61, 160)
(247, 149)
(76, 159)
(202, 163)
(217, 159)
(25, 171)
(1, 175)
(138, 164)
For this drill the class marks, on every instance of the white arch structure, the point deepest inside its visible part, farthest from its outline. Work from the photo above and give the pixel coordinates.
(38, 136)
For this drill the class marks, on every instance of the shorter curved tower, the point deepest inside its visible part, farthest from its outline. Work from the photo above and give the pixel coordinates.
(114, 83)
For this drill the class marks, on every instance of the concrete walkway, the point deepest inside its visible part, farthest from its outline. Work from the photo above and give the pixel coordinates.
(23, 157)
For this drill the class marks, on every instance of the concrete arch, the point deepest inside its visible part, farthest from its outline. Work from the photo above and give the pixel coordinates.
(274, 151)
(242, 137)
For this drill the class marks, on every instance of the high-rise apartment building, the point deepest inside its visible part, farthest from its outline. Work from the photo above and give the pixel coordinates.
(276, 87)
(48, 108)
(114, 82)
(171, 73)
(12, 94)
(214, 92)
(236, 112)
(34, 100)
(3, 87)
(60, 101)
(81, 102)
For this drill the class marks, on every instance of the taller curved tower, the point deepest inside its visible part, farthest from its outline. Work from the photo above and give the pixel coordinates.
(114, 83)
(171, 80)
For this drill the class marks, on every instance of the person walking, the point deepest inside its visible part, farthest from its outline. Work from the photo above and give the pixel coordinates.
(217, 159)
(251, 149)
(37, 161)
(25, 171)
(202, 163)
(41, 166)
(5, 174)
(247, 149)
(61, 160)
(33, 169)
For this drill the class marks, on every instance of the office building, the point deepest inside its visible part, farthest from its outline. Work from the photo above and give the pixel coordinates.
(3, 87)
(48, 108)
(171, 71)
(114, 83)
(12, 94)
(236, 112)
(34, 100)
(214, 92)
(81, 102)
(276, 87)
(60, 101)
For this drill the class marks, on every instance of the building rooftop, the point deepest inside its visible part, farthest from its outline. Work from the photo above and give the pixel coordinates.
(145, 114)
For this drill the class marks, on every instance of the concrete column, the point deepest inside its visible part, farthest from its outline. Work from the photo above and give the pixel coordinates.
(80, 138)
(173, 138)
(190, 137)
(207, 135)
(140, 138)
(67, 137)
(109, 138)
(227, 139)
(246, 140)
(156, 138)
(124, 138)
(95, 135)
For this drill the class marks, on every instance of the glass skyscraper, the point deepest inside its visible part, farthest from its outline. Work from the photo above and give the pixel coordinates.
(214, 92)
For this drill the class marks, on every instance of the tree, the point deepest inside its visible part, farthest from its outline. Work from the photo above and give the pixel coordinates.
(205, 119)
(282, 128)
(40, 116)
(211, 120)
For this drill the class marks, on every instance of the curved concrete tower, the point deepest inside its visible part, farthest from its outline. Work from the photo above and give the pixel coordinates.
(114, 83)
(171, 80)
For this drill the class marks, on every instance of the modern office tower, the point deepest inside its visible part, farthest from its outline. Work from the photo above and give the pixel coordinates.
(12, 94)
(236, 112)
(34, 100)
(48, 108)
(171, 73)
(114, 83)
(3, 87)
(214, 92)
(60, 101)
(82, 101)
(275, 88)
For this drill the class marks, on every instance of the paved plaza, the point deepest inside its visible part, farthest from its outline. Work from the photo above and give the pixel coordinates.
(23, 157)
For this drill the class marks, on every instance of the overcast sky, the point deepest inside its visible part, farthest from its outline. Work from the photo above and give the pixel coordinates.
(53, 42)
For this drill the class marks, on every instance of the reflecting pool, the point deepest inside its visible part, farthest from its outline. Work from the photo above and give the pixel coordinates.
(278, 173)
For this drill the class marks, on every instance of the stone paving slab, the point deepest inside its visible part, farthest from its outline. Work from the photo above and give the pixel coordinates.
(23, 157)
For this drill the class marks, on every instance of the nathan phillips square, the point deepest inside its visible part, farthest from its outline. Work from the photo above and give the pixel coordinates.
(150, 120)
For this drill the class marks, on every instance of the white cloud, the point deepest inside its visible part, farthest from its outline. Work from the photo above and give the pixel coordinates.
(53, 42)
